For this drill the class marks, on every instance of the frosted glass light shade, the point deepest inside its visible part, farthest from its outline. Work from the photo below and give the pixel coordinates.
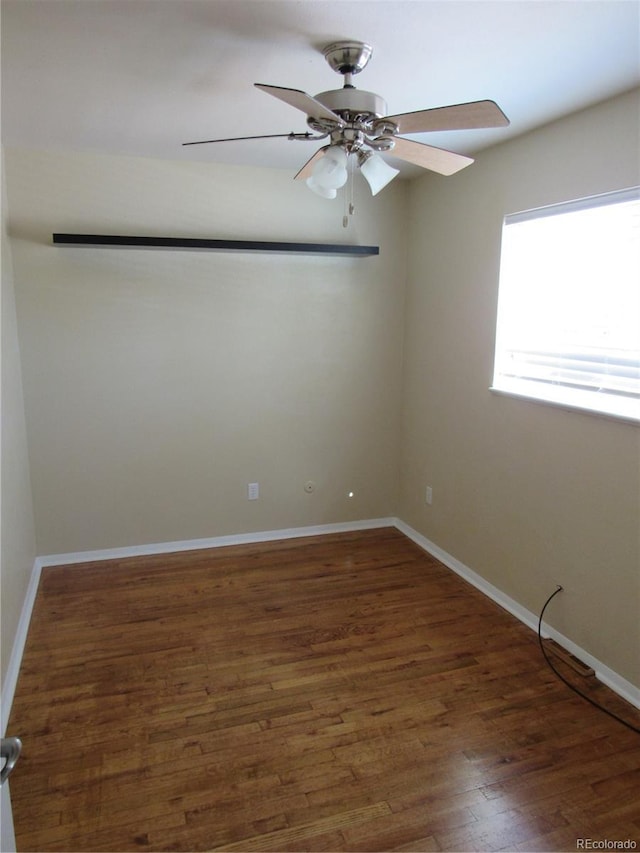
(377, 173)
(325, 192)
(330, 172)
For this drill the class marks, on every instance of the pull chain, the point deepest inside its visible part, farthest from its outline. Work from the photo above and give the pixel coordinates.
(349, 207)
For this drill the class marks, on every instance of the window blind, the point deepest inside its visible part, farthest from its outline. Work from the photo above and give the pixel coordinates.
(569, 304)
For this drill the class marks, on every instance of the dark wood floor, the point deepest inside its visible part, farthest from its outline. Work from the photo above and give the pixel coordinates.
(341, 692)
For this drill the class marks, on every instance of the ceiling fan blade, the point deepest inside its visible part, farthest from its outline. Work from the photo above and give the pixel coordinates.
(301, 101)
(307, 169)
(455, 117)
(436, 159)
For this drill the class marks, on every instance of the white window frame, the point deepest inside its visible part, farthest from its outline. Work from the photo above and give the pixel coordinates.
(597, 380)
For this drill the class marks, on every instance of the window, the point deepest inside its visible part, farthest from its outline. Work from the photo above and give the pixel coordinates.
(568, 327)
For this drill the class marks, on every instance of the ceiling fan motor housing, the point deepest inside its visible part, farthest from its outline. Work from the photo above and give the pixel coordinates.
(353, 105)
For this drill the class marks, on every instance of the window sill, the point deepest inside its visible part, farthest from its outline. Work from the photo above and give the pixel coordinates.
(568, 406)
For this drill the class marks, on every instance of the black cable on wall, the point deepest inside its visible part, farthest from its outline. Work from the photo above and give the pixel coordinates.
(564, 680)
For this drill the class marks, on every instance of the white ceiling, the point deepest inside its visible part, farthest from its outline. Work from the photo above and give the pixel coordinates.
(142, 76)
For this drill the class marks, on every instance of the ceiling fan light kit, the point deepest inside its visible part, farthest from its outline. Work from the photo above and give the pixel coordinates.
(356, 123)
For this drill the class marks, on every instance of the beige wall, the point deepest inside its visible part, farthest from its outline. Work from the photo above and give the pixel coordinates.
(158, 384)
(17, 537)
(524, 494)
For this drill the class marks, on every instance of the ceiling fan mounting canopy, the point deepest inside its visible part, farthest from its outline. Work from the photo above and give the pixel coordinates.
(347, 57)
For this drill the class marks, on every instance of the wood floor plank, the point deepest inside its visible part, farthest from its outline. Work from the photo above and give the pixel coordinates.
(342, 692)
(284, 838)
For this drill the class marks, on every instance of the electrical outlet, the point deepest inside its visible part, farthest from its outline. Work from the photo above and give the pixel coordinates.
(428, 495)
(253, 491)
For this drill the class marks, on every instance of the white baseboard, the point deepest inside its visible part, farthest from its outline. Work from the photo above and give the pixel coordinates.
(608, 676)
(19, 642)
(213, 542)
(603, 673)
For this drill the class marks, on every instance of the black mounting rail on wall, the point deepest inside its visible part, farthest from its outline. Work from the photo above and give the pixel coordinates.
(178, 243)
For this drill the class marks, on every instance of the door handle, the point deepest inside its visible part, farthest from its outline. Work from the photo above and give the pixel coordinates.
(9, 752)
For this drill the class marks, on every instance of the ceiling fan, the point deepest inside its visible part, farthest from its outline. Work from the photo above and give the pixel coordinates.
(356, 123)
